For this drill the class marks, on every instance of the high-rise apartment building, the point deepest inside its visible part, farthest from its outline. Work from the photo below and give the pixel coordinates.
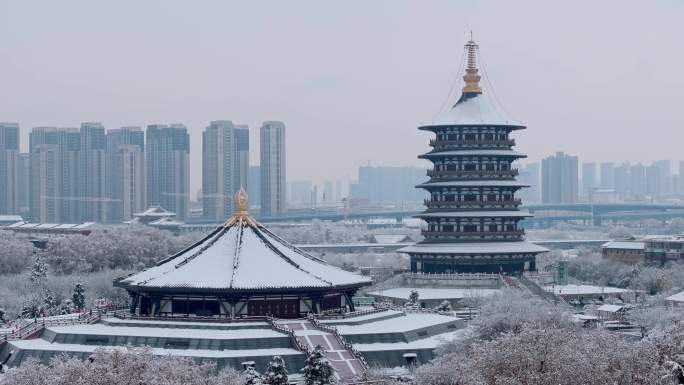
(654, 185)
(254, 185)
(54, 178)
(622, 183)
(637, 181)
(273, 179)
(125, 173)
(559, 179)
(389, 185)
(92, 173)
(9, 168)
(24, 188)
(607, 176)
(664, 170)
(167, 154)
(225, 167)
(300, 193)
(588, 178)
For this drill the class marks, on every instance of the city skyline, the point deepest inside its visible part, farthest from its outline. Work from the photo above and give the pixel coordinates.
(329, 100)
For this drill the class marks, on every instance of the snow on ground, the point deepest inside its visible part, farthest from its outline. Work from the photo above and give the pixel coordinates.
(411, 321)
(133, 331)
(585, 289)
(40, 344)
(425, 343)
(435, 294)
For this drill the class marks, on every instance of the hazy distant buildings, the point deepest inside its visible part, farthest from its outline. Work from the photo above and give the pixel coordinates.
(622, 183)
(530, 175)
(301, 193)
(92, 173)
(24, 184)
(559, 179)
(588, 178)
(9, 168)
(126, 173)
(242, 161)
(254, 185)
(607, 176)
(168, 168)
(273, 179)
(637, 181)
(389, 185)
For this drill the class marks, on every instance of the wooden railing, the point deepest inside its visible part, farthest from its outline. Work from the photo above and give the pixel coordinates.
(471, 205)
(359, 313)
(296, 342)
(34, 327)
(471, 173)
(471, 142)
(473, 234)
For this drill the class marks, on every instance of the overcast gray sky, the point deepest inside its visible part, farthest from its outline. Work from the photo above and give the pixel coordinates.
(351, 79)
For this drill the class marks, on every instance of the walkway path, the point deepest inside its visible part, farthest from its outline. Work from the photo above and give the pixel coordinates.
(346, 366)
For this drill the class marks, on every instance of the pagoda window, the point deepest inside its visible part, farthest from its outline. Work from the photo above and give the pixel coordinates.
(505, 166)
(510, 227)
(469, 228)
(491, 197)
(470, 137)
(469, 167)
(493, 228)
(507, 197)
(470, 198)
(448, 228)
(450, 198)
(488, 136)
(489, 167)
(451, 167)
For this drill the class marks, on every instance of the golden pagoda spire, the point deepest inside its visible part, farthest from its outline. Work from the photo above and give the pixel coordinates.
(241, 206)
(472, 79)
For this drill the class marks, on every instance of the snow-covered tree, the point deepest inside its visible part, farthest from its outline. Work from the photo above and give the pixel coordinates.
(317, 369)
(276, 372)
(38, 272)
(78, 297)
(413, 297)
(252, 377)
(3, 315)
(444, 306)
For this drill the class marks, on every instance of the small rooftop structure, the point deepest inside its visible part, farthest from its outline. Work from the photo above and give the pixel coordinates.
(241, 269)
(677, 299)
(629, 251)
(10, 219)
(52, 228)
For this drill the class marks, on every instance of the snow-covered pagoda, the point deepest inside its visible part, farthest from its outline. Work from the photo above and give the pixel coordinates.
(241, 269)
(473, 215)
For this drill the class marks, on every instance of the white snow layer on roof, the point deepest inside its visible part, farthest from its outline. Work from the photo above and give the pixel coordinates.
(475, 248)
(610, 308)
(425, 293)
(585, 289)
(133, 331)
(41, 344)
(624, 245)
(243, 257)
(483, 152)
(475, 183)
(477, 110)
(410, 321)
(468, 214)
(679, 297)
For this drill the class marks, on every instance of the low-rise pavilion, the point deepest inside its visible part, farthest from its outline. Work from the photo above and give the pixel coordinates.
(241, 269)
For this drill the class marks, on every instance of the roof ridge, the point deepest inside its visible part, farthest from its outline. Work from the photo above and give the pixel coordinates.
(238, 247)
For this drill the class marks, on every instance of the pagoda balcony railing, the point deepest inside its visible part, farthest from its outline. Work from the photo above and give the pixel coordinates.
(472, 143)
(471, 173)
(471, 205)
(474, 235)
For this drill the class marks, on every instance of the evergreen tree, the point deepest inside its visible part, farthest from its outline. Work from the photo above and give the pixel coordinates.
(2, 315)
(276, 372)
(317, 369)
(38, 272)
(78, 298)
(444, 306)
(252, 377)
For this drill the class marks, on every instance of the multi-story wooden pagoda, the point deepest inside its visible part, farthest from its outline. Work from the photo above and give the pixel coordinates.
(241, 269)
(472, 214)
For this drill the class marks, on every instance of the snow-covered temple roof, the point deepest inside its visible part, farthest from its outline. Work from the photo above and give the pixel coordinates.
(478, 109)
(475, 248)
(155, 211)
(243, 255)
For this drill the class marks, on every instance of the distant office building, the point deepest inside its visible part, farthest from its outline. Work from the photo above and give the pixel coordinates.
(225, 167)
(126, 173)
(389, 185)
(637, 181)
(328, 194)
(167, 154)
(663, 168)
(254, 185)
(654, 185)
(54, 178)
(338, 191)
(680, 182)
(588, 178)
(607, 176)
(622, 182)
(273, 178)
(300, 193)
(9, 168)
(529, 175)
(92, 173)
(24, 177)
(242, 163)
(559, 179)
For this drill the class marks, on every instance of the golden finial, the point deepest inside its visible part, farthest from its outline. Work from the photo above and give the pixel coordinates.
(241, 205)
(472, 79)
